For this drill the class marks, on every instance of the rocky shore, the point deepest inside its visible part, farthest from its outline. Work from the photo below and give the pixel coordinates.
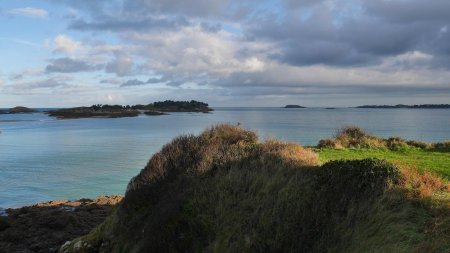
(44, 227)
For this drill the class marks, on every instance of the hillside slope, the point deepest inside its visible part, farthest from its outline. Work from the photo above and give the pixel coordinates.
(224, 191)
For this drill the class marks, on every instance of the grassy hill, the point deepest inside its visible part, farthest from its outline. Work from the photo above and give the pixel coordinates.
(227, 191)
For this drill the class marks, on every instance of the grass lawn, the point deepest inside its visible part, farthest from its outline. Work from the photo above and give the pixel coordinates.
(437, 162)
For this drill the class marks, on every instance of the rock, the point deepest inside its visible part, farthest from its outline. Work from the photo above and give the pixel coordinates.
(4, 224)
(49, 225)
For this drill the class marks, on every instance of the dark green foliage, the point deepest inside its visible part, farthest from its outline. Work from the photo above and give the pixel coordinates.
(118, 111)
(441, 146)
(106, 111)
(175, 106)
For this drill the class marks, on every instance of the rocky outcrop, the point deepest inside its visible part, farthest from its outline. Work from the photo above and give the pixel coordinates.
(18, 109)
(44, 227)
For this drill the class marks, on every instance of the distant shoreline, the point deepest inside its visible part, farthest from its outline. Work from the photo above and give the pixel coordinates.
(401, 106)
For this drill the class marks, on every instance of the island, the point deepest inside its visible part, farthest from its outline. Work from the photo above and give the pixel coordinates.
(95, 111)
(175, 106)
(294, 106)
(424, 106)
(17, 110)
(120, 111)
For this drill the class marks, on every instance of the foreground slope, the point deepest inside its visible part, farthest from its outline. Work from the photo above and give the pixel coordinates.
(224, 191)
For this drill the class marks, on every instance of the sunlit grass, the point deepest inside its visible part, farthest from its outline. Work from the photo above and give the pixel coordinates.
(423, 160)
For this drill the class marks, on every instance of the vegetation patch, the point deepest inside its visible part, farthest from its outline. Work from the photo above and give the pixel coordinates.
(355, 137)
(225, 191)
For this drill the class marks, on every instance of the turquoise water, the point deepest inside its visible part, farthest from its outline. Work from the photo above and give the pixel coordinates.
(47, 159)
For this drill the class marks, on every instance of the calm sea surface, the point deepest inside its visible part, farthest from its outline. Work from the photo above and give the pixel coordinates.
(47, 159)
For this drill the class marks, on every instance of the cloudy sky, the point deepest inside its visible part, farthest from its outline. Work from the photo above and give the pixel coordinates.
(57, 53)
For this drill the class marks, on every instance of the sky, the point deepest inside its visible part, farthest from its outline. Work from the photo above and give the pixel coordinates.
(63, 53)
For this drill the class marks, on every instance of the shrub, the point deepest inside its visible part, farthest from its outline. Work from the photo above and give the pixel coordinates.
(418, 144)
(355, 137)
(443, 146)
(352, 137)
(396, 143)
(229, 134)
(328, 143)
(423, 183)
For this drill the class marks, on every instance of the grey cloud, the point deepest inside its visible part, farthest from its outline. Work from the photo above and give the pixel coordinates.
(196, 8)
(115, 24)
(409, 11)
(110, 81)
(40, 84)
(122, 64)
(168, 79)
(363, 39)
(328, 35)
(133, 82)
(211, 27)
(295, 4)
(136, 82)
(68, 65)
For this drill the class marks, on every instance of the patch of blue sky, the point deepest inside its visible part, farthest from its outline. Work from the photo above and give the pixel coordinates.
(14, 52)
(351, 9)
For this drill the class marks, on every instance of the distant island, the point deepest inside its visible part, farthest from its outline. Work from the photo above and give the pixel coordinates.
(18, 109)
(174, 106)
(294, 106)
(119, 111)
(424, 106)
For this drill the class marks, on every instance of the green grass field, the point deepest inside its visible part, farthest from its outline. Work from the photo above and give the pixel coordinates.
(424, 160)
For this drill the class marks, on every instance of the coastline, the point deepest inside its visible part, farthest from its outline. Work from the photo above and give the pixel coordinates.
(44, 227)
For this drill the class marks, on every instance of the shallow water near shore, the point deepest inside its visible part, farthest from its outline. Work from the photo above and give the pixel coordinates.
(42, 158)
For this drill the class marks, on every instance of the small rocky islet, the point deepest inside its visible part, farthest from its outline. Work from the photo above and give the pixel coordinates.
(18, 110)
(293, 106)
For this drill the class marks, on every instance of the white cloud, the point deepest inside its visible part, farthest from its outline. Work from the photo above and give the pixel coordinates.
(192, 49)
(66, 44)
(29, 12)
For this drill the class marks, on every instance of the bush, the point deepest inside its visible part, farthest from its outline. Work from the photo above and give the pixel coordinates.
(396, 143)
(418, 144)
(327, 143)
(351, 132)
(355, 137)
(443, 146)
(352, 137)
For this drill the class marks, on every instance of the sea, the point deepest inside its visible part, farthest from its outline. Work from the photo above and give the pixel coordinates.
(43, 158)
